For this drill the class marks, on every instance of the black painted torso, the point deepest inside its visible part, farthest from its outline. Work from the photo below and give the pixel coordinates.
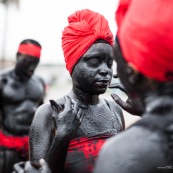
(20, 100)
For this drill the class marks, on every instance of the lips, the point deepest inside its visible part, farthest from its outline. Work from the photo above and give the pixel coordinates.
(103, 82)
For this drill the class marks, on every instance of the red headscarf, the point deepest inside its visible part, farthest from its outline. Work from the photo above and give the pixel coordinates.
(145, 32)
(84, 28)
(29, 49)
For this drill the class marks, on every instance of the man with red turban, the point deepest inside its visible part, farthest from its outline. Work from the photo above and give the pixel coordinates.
(143, 51)
(21, 93)
(69, 132)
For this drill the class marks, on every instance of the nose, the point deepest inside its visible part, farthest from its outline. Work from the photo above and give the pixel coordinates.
(103, 72)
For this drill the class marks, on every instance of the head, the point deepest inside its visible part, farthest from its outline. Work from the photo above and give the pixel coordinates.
(93, 72)
(143, 48)
(87, 44)
(28, 56)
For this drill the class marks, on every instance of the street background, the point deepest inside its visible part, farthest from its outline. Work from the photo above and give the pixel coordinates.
(44, 21)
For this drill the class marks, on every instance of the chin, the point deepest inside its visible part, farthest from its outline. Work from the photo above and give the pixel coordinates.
(100, 91)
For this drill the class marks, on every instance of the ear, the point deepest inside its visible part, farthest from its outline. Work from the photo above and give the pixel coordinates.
(133, 73)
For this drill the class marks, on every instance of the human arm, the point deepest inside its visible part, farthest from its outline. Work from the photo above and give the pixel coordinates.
(67, 123)
(51, 143)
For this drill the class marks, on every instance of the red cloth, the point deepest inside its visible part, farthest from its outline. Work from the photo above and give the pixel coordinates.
(145, 34)
(84, 28)
(30, 49)
(19, 144)
(83, 152)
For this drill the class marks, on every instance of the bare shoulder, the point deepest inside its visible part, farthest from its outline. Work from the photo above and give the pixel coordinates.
(42, 116)
(137, 145)
(44, 112)
(39, 78)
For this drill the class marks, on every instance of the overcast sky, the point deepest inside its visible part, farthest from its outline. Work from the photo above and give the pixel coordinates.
(44, 21)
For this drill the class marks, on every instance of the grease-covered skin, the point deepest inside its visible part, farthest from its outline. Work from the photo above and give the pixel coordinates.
(146, 146)
(21, 93)
(94, 117)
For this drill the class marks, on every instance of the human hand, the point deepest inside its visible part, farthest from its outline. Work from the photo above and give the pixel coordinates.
(26, 167)
(132, 105)
(68, 121)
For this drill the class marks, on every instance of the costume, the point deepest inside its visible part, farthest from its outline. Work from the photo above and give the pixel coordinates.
(83, 151)
(17, 143)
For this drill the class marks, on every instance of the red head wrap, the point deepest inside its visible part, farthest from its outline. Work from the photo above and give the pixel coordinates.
(84, 28)
(30, 49)
(145, 34)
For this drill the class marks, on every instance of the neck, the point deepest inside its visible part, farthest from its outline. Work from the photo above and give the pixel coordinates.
(83, 97)
(19, 77)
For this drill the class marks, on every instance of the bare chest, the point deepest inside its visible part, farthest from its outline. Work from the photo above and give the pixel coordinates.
(16, 91)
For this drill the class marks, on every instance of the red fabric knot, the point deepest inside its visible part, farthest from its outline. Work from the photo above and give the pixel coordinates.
(85, 27)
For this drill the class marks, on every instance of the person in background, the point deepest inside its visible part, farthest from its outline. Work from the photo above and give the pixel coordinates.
(21, 93)
(143, 52)
(69, 132)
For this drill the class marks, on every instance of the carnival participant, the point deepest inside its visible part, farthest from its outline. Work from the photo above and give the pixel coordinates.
(143, 52)
(21, 93)
(69, 132)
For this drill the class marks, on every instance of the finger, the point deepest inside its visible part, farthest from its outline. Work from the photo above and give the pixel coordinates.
(18, 167)
(69, 103)
(125, 105)
(75, 107)
(120, 102)
(55, 105)
(80, 115)
(44, 166)
(29, 167)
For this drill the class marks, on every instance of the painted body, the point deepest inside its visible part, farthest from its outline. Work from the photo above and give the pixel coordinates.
(21, 93)
(54, 138)
(146, 146)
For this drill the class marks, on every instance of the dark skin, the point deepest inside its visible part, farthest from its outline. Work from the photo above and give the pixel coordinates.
(21, 93)
(76, 115)
(145, 143)
(132, 105)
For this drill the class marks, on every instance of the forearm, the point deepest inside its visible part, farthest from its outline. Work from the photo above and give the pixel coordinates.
(57, 154)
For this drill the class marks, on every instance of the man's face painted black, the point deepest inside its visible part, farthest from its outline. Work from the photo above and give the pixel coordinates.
(25, 66)
(93, 72)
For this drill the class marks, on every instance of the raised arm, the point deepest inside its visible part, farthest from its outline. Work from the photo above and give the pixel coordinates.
(51, 132)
